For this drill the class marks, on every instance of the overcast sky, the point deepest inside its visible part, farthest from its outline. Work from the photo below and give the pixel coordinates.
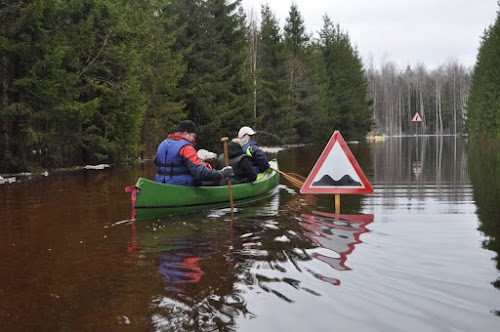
(402, 31)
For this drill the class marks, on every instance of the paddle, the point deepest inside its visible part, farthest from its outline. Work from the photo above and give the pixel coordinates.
(295, 179)
(226, 160)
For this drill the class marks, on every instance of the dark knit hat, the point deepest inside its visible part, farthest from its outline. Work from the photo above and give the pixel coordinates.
(186, 126)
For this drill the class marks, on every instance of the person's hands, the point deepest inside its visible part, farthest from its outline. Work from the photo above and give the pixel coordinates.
(227, 172)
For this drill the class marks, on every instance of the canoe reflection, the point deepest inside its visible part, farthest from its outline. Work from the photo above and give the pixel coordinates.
(177, 264)
(191, 273)
(339, 233)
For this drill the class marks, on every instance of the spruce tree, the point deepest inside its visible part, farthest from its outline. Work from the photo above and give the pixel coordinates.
(74, 95)
(163, 53)
(105, 38)
(483, 106)
(346, 103)
(296, 40)
(272, 78)
(327, 110)
(216, 86)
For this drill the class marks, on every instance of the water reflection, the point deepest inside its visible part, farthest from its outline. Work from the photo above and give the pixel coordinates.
(208, 264)
(484, 166)
(199, 259)
(180, 267)
(338, 233)
(194, 272)
(415, 170)
(423, 265)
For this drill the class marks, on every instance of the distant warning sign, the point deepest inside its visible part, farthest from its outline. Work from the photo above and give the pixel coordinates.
(336, 171)
(417, 118)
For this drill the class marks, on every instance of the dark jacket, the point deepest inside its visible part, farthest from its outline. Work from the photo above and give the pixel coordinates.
(257, 156)
(242, 168)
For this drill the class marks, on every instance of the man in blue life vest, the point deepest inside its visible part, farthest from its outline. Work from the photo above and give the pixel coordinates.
(177, 162)
(252, 150)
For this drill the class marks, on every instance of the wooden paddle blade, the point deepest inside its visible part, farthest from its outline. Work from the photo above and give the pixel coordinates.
(297, 176)
(295, 179)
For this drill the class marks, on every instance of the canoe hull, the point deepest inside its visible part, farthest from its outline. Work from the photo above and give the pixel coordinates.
(155, 199)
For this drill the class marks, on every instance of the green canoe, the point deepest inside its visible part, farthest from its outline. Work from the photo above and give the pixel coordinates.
(158, 199)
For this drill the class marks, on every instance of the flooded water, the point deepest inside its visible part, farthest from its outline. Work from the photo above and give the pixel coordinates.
(420, 254)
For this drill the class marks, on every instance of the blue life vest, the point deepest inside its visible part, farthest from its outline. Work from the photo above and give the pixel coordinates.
(169, 168)
(248, 151)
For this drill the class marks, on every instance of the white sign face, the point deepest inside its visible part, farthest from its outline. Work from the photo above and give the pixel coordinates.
(336, 166)
(336, 171)
(417, 118)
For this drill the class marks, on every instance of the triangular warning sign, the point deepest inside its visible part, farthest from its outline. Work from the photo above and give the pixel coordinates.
(336, 171)
(417, 118)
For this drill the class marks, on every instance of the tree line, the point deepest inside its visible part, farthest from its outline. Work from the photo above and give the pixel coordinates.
(440, 96)
(90, 81)
(484, 99)
(451, 99)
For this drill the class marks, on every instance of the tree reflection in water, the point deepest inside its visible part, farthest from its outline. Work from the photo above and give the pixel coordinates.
(485, 178)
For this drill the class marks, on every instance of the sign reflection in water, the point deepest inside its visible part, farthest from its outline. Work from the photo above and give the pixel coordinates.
(339, 233)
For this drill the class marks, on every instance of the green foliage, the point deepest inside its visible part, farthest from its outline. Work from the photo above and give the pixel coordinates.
(344, 104)
(483, 105)
(299, 109)
(163, 66)
(77, 69)
(295, 32)
(216, 87)
(91, 81)
(324, 118)
(273, 84)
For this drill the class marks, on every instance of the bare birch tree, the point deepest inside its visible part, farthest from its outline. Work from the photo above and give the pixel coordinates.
(253, 42)
(439, 96)
(373, 77)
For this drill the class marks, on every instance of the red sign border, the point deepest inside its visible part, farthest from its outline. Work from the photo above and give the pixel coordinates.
(306, 187)
(415, 115)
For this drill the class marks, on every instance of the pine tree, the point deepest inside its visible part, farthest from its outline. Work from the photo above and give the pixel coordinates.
(216, 86)
(296, 41)
(163, 54)
(483, 106)
(327, 110)
(105, 38)
(272, 78)
(76, 81)
(346, 104)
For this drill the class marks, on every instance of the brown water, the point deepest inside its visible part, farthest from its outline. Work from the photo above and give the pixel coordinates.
(420, 254)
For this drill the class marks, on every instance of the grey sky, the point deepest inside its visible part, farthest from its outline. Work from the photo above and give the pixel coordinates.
(402, 31)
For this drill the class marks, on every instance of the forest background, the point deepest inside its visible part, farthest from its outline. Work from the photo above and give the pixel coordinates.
(92, 81)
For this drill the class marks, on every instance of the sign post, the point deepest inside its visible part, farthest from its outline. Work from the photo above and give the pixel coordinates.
(417, 118)
(337, 204)
(336, 172)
